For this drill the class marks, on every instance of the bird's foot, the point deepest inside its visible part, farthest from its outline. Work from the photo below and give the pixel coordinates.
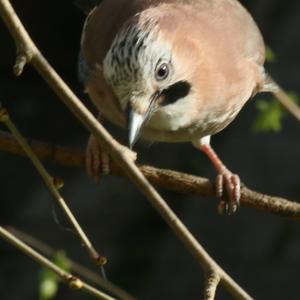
(97, 160)
(228, 188)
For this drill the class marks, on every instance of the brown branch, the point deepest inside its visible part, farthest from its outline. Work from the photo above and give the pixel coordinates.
(71, 280)
(53, 186)
(211, 284)
(286, 101)
(77, 268)
(283, 98)
(167, 179)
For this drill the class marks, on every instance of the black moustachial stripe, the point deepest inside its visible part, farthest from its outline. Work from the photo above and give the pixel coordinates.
(175, 92)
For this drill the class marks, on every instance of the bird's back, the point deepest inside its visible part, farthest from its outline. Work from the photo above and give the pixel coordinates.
(106, 20)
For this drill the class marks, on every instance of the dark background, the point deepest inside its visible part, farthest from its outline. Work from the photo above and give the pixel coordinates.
(259, 250)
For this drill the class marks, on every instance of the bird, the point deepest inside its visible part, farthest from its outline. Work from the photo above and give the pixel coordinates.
(172, 71)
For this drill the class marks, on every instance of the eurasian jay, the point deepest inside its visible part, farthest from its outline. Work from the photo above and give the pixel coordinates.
(172, 71)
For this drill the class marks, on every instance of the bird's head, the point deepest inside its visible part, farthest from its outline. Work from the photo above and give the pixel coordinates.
(143, 69)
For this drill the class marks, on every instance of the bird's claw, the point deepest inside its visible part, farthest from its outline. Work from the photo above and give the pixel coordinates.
(97, 160)
(228, 189)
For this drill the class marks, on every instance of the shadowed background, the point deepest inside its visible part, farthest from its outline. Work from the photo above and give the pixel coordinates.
(258, 250)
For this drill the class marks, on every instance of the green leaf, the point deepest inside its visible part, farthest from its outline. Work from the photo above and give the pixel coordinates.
(294, 96)
(270, 55)
(271, 114)
(62, 261)
(48, 288)
(269, 117)
(49, 281)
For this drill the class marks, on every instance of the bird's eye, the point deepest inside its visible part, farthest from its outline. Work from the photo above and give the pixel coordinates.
(162, 72)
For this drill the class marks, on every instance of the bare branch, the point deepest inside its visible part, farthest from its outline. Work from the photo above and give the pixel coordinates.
(20, 64)
(80, 270)
(284, 99)
(167, 179)
(53, 186)
(211, 284)
(68, 278)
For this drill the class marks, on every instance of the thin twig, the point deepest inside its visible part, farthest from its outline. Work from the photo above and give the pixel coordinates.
(284, 99)
(68, 278)
(211, 284)
(52, 185)
(77, 268)
(167, 179)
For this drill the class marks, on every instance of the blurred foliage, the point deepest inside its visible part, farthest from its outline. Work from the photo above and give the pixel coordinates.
(270, 112)
(269, 117)
(270, 55)
(49, 281)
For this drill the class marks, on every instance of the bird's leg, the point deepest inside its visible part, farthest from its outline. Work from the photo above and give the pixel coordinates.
(97, 160)
(228, 185)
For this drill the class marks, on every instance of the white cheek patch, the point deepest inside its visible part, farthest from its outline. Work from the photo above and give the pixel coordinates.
(174, 116)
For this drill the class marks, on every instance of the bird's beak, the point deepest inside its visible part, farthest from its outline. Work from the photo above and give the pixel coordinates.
(136, 121)
(135, 125)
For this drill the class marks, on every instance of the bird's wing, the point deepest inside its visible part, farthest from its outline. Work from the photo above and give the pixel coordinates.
(87, 5)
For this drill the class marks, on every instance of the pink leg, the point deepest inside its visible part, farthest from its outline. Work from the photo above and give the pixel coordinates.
(97, 161)
(226, 181)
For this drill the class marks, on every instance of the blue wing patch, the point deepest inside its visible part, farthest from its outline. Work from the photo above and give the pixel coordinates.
(84, 70)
